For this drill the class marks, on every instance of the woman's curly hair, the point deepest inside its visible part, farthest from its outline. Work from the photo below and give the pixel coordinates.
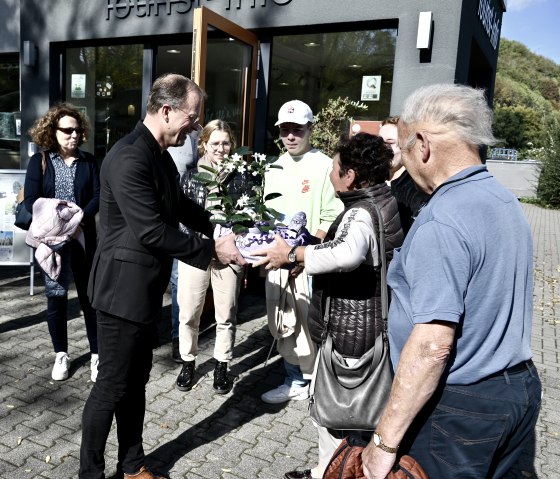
(368, 156)
(43, 131)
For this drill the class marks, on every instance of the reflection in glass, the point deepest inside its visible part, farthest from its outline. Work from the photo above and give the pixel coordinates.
(106, 83)
(228, 63)
(321, 66)
(10, 119)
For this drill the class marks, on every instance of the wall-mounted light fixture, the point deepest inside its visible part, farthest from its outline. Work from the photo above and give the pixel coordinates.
(29, 53)
(424, 38)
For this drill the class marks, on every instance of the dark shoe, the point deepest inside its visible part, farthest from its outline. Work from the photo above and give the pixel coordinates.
(185, 379)
(222, 384)
(143, 473)
(305, 474)
(175, 351)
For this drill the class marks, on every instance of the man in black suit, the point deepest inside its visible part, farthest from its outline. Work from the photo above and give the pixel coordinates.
(141, 206)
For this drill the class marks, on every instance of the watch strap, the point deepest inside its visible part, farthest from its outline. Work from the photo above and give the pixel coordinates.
(292, 255)
(383, 447)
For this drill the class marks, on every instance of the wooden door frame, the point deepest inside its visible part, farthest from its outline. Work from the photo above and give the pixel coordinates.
(202, 18)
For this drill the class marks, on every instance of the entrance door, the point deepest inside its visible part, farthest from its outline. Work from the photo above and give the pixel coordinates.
(224, 64)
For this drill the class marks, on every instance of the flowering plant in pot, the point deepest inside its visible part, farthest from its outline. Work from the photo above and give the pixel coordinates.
(237, 202)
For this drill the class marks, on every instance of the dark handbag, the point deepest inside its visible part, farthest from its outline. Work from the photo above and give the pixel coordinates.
(353, 397)
(346, 463)
(23, 217)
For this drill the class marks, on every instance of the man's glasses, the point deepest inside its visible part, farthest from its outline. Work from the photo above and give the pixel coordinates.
(192, 118)
(69, 131)
(216, 144)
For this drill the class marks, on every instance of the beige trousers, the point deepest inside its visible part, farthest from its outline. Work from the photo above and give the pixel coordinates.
(192, 285)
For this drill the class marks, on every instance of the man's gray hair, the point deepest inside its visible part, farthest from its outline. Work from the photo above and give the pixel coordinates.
(458, 108)
(171, 89)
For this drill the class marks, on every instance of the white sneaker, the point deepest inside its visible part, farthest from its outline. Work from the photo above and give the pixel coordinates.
(60, 368)
(285, 393)
(94, 364)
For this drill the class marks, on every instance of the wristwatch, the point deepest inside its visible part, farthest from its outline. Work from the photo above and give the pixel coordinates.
(292, 258)
(378, 441)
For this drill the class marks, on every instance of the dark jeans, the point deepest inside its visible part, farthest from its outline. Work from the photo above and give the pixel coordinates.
(73, 263)
(476, 431)
(125, 361)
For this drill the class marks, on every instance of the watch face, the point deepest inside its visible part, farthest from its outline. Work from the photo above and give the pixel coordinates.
(376, 439)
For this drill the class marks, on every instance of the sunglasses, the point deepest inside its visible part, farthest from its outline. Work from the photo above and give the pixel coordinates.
(69, 131)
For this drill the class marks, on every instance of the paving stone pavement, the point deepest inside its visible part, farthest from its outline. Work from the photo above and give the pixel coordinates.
(200, 434)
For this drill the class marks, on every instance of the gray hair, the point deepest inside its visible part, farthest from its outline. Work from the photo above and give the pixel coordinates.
(458, 108)
(171, 89)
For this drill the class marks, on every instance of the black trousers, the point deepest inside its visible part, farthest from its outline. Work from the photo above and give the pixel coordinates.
(74, 263)
(125, 361)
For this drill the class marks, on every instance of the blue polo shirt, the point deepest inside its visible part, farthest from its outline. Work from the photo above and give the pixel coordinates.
(468, 259)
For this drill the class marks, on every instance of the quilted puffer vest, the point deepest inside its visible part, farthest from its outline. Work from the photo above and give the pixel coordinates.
(353, 298)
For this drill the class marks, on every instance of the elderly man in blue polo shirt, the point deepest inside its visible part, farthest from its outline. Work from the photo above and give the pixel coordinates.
(466, 394)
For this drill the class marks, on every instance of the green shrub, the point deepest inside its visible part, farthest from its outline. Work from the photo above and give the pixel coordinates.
(548, 188)
(332, 121)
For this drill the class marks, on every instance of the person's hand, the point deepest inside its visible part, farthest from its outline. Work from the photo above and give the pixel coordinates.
(227, 252)
(376, 463)
(274, 257)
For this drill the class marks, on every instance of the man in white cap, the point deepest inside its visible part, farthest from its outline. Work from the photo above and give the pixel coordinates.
(304, 185)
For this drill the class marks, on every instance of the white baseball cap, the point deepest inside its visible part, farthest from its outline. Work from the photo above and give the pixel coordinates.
(294, 111)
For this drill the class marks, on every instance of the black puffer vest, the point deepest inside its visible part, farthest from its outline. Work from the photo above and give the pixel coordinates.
(353, 298)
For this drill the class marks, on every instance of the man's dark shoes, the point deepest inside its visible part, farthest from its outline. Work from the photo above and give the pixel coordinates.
(305, 474)
(222, 384)
(144, 473)
(185, 379)
(175, 350)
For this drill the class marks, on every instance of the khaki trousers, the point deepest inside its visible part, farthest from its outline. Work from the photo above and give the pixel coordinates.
(192, 285)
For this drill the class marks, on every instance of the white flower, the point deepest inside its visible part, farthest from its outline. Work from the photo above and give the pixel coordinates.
(229, 167)
(241, 168)
(236, 157)
(242, 201)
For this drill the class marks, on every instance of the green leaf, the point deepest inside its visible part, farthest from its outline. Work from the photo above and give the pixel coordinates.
(208, 168)
(238, 229)
(271, 196)
(278, 167)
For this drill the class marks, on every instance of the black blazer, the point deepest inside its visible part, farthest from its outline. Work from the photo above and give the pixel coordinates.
(140, 209)
(86, 190)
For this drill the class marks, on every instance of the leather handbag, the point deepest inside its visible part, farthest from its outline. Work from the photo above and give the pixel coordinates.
(344, 397)
(23, 216)
(346, 463)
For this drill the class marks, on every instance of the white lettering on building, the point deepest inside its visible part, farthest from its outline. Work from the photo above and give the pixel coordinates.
(490, 21)
(120, 9)
(147, 8)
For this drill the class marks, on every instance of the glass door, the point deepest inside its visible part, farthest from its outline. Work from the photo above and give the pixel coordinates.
(224, 65)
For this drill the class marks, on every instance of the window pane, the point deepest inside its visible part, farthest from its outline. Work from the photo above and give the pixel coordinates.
(10, 123)
(321, 66)
(106, 82)
(228, 66)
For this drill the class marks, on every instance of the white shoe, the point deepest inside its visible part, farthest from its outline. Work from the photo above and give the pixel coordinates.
(285, 393)
(61, 366)
(94, 364)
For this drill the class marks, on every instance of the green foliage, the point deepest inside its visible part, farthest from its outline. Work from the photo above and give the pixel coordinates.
(527, 113)
(250, 209)
(526, 97)
(332, 121)
(517, 126)
(548, 188)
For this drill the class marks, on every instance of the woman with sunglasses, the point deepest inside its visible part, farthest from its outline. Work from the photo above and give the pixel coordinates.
(69, 174)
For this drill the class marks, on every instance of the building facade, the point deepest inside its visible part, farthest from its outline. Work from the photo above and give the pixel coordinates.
(250, 56)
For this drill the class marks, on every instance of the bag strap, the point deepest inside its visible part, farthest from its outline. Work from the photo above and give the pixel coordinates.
(383, 257)
(43, 162)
